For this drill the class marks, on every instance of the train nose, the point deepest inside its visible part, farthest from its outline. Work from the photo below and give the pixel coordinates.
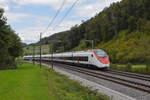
(104, 60)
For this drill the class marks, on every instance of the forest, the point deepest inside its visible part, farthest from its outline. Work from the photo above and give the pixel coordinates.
(10, 44)
(122, 30)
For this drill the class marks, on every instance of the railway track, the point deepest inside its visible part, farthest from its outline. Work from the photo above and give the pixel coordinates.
(124, 82)
(98, 74)
(131, 75)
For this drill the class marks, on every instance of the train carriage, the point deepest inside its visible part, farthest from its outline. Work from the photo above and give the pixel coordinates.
(97, 57)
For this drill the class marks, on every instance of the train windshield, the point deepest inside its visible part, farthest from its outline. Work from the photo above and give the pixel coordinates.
(100, 53)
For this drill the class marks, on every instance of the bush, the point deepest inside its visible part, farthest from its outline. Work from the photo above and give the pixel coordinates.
(148, 67)
(113, 66)
(128, 67)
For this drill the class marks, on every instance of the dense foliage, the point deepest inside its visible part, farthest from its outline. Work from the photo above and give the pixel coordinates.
(10, 45)
(123, 30)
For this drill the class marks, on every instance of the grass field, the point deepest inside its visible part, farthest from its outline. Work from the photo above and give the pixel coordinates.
(32, 83)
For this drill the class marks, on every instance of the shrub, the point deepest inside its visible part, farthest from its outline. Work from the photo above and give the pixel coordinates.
(113, 66)
(128, 67)
(148, 67)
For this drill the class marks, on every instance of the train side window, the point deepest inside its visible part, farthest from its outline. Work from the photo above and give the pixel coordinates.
(91, 55)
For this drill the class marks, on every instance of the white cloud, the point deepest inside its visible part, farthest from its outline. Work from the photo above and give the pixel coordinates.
(69, 23)
(4, 4)
(15, 17)
(53, 3)
(66, 25)
(89, 10)
(31, 34)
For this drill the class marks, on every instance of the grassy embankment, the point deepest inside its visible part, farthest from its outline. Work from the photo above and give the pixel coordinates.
(141, 69)
(29, 82)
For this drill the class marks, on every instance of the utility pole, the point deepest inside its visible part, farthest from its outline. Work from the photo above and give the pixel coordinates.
(40, 50)
(49, 48)
(52, 58)
(92, 42)
(33, 58)
(52, 53)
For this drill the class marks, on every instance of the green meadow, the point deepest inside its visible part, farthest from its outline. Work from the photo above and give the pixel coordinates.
(29, 82)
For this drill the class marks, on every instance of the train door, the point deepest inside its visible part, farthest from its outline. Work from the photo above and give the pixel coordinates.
(91, 59)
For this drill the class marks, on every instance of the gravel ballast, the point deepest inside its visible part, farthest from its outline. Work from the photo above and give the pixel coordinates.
(118, 92)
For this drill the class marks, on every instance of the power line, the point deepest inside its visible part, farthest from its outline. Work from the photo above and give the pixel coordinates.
(58, 11)
(66, 13)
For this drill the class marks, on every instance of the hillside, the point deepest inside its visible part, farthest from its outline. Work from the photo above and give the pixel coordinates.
(123, 30)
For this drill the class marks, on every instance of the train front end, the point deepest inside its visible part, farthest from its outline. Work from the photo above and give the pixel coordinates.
(101, 59)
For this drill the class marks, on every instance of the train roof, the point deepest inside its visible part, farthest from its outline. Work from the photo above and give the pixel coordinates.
(70, 53)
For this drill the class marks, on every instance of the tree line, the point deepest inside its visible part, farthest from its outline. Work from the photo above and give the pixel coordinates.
(10, 44)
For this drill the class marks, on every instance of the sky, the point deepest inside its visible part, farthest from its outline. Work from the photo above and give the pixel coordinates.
(31, 17)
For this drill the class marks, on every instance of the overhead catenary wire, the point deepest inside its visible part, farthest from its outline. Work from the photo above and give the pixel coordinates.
(58, 11)
(66, 14)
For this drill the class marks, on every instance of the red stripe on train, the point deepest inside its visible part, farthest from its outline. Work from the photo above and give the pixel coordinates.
(102, 60)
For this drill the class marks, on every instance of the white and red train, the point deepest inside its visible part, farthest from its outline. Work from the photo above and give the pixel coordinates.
(97, 58)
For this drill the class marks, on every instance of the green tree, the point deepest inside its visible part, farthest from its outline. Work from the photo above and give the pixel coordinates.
(10, 45)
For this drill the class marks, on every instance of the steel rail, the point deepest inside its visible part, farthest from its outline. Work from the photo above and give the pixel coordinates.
(134, 85)
(108, 78)
(129, 75)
